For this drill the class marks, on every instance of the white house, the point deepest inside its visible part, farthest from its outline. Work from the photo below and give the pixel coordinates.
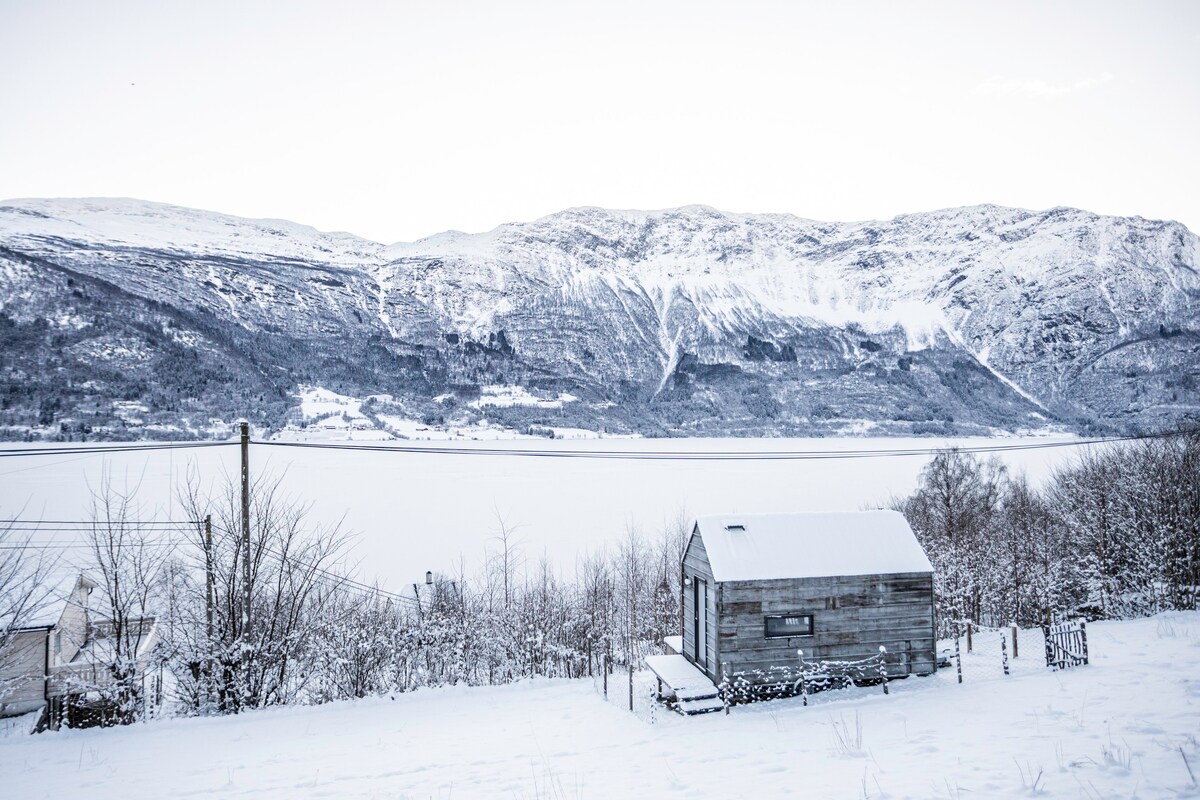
(64, 645)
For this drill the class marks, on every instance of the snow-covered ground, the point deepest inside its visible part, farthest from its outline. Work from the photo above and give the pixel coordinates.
(437, 507)
(1121, 727)
(319, 405)
(508, 396)
(326, 416)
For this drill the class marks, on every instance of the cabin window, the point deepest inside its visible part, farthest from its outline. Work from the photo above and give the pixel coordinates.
(795, 625)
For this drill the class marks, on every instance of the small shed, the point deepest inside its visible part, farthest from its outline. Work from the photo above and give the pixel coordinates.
(759, 587)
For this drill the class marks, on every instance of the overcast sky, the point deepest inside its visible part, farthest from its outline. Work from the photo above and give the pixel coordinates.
(397, 120)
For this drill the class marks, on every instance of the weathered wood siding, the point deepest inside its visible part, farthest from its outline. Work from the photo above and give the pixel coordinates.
(696, 567)
(852, 617)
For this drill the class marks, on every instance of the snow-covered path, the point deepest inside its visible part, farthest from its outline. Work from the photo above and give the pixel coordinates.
(1111, 729)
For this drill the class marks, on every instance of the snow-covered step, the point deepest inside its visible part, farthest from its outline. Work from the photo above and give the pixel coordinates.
(694, 693)
(700, 706)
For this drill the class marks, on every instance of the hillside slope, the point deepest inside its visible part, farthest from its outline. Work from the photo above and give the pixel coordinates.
(1120, 727)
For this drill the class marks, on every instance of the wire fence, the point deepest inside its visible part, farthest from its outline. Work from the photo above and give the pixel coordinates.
(979, 654)
(984, 652)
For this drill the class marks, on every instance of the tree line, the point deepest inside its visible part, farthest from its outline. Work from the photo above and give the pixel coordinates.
(313, 635)
(1114, 534)
(310, 633)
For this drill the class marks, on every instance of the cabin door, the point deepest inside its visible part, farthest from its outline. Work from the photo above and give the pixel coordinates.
(700, 615)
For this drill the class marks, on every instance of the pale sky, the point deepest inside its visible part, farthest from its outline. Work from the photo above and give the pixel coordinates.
(398, 120)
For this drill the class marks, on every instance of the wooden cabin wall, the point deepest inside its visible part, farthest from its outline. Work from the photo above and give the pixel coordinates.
(695, 565)
(852, 617)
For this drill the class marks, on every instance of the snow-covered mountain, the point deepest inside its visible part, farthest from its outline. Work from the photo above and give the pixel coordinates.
(683, 321)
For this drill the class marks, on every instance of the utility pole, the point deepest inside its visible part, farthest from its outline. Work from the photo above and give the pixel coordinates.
(245, 525)
(632, 618)
(245, 426)
(208, 604)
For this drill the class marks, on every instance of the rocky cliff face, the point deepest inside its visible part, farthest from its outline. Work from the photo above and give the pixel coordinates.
(682, 322)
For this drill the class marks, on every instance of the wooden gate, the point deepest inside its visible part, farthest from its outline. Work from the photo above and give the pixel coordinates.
(1066, 644)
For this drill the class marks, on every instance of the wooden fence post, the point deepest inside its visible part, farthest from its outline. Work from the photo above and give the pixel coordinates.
(1004, 651)
(803, 683)
(1083, 637)
(631, 684)
(1014, 638)
(969, 637)
(604, 672)
(883, 667)
(725, 681)
(958, 659)
(1049, 646)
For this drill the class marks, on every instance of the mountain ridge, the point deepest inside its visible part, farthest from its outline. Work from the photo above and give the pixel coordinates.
(671, 322)
(18, 202)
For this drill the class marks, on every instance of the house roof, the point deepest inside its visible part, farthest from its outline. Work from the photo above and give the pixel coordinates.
(750, 547)
(100, 648)
(54, 593)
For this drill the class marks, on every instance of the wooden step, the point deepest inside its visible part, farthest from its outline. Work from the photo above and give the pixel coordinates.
(703, 705)
(692, 692)
(696, 693)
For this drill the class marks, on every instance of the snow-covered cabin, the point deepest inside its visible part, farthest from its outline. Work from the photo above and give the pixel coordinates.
(759, 587)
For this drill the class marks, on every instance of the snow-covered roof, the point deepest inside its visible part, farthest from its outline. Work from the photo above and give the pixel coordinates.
(100, 649)
(750, 547)
(55, 592)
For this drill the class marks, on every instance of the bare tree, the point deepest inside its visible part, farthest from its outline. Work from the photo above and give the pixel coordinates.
(294, 580)
(596, 586)
(25, 591)
(128, 561)
(507, 558)
(668, 581)
(952, 513)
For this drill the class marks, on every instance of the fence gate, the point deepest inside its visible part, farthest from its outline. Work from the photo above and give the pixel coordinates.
(1066, 644)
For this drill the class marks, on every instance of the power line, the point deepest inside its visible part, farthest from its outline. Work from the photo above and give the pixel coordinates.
(339, 578)
(73, 523)
(106, 448)
(628, 455)
(80, 536)
(722, 455)
(147, 545)
(166, 542)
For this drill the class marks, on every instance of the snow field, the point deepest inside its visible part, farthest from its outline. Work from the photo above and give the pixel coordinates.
(508, 396)
(1117, 728)
(326, 416)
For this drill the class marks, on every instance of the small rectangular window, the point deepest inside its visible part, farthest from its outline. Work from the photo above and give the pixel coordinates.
(795, 625)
